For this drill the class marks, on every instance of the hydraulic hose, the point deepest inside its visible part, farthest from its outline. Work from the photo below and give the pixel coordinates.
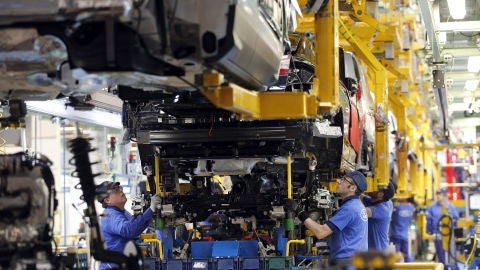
(445, 229)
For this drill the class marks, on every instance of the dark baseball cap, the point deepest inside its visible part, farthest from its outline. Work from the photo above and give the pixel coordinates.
(389, 191)
(102, 190)
(359, 179)
(442, 190)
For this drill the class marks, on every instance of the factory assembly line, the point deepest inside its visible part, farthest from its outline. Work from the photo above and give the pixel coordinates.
(237, 108)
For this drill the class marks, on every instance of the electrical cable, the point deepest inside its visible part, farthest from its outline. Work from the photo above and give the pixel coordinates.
(474, 244)
(449, 225)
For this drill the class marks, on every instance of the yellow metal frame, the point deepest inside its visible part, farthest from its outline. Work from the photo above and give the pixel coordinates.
(289, 105)
(295, 241)
(360, 12)
(327, 66)
(158, 184)
(403, 188)
(261, 105)
(366, 35)
(419, 265)
(400, 28)
(152, 238)
(452, 145)
(160, 246)
(379, 76)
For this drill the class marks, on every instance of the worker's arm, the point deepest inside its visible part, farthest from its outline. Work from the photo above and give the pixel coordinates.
(430, 222)
(366, 201)
(369, 211)
(319, 230)
(380, 210)
(454, 213)
(118, 224)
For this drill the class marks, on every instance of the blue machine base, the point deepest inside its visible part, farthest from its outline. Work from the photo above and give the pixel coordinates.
(247, 248)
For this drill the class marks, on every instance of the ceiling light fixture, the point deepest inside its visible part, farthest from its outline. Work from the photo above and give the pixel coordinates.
(471, 85)
(467, 100)
(457, 9)
(473, 64)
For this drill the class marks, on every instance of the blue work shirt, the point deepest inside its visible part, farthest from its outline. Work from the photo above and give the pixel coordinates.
(434, 213)
(349, 226)
(119, 227)
(378, 223)
(401, 217)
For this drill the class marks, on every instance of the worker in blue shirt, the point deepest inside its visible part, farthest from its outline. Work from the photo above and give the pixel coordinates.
(379, 208)
(118, 225)
(434, 214)
(401, 217)
(348, 226)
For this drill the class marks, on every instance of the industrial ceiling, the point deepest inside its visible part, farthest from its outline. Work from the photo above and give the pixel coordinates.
(458, 40)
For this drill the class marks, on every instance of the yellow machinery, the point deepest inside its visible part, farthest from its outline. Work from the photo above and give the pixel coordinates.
(384, 35)
(388, 44)
(387, 39)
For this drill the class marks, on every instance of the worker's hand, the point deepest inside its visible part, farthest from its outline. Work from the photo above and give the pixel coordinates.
(293, 206)
(296, 208)
(155, 202)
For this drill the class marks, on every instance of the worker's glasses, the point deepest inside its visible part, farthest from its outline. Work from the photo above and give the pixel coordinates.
(345, 179)
(116, 189)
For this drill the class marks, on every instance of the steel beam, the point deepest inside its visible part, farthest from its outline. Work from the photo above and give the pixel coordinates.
(430, 28)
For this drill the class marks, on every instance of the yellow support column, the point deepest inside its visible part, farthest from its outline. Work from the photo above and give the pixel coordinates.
(402, 150)
(382, 172)
(417, 188)
(289, 177)
(421, 172)
(415, 181)
(158, 184)
(431, 168)
(326, 46)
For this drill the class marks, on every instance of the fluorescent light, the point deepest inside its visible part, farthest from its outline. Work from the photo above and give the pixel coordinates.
(471, 85)
(58, 108)
(467, 100)
(457, 9)
(473, 63)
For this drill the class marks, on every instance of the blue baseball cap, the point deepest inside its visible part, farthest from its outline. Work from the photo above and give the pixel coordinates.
(359, 180)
